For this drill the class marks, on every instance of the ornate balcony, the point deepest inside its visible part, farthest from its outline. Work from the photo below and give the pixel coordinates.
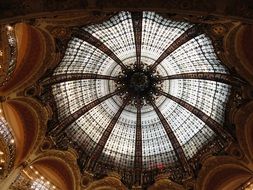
(8, 154)
(8, 53)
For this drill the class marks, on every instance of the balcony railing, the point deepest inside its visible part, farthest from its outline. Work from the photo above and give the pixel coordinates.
(8, 54)
(6, 135)
(30, 178)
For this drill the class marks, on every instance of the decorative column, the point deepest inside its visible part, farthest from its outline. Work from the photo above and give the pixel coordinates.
(6, 183)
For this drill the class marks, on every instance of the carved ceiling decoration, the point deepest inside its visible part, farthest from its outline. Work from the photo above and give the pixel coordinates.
(240, 9)
(160, 99)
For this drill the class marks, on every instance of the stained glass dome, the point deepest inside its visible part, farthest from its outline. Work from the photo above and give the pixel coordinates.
(141, 93)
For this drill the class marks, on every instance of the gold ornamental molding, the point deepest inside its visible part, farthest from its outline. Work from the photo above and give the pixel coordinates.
(214, 165)
(243, 119)
(107, 183)
(68, 158)
(162, 182)
(42, 117)
(31, 111)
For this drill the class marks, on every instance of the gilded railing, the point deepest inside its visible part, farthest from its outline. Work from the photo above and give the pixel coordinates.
(30, 178)
(7, 137)
(8, 53)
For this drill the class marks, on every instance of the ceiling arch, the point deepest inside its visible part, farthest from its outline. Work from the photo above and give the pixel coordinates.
(223, 173)
(60, 167)
(27, 118)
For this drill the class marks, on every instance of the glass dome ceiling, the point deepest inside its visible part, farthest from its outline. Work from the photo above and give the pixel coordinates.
(140, 92)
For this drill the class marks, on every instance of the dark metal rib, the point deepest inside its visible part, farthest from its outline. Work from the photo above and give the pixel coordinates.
(138, 145)
(214, 125)
(173, 139)
(106, 134)
(74, 76)
(86, 36)
(218, 77)
(186, 36)
(137, 28)
(65, 123)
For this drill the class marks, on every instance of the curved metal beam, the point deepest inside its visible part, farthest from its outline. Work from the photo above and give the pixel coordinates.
(74, 76)
(65, 123)
(174, 142)
(138, 145)
(86, 36)
(106, 134)
(214, 125)
(218, 77)
(185, 37)
(137, 28)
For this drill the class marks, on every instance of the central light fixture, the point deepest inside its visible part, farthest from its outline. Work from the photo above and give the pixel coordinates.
(140, 83)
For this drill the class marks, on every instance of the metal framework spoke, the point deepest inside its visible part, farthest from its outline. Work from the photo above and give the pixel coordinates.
(173, 139)
(106, 134)
(137, 28)
(65, 123)
(74, 76)
(214, 125)
(186, 36)
(138, 144)
(86, 36)
(218, 77)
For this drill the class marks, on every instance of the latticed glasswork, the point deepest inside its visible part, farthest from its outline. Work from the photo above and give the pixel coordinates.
(111, 131)
(7, 134)
(39, 184)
